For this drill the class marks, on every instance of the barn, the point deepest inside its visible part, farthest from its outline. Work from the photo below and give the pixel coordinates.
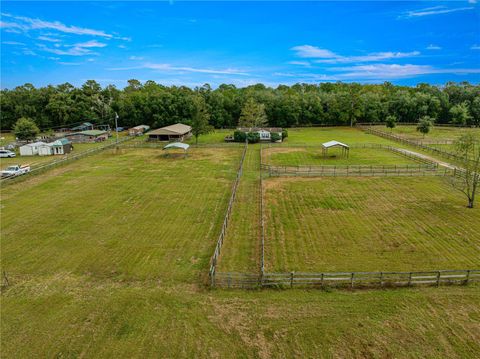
(177, 132)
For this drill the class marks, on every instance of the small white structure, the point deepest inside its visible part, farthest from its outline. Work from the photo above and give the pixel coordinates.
(46, 149)
(330, 144)
(31, 149)
(265, 133)
(180, 145)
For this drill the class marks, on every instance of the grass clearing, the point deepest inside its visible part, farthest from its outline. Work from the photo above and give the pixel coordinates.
(368, 224)
(436, 133)
(105, 258)
(313, 156)
(138, 214)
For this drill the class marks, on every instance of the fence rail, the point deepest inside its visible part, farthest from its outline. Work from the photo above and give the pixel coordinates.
(396, 138)
(345, 279)
(221, 237)
(40, 168)
(356, 170)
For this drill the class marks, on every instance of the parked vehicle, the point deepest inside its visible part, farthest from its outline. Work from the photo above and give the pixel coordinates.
(15, 170)
(7, 154)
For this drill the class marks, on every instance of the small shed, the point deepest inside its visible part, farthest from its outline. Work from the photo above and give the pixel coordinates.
(45, 149)
(138, 130)
(179, 145)
(87, 136)
(177, 132)
(30, 149)
(61, 146)
(345, 148)
(83, 127)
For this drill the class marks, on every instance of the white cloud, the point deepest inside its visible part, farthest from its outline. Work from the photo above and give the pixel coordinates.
(393, 71)
(135, 58)
(475, 47)
(300, 63)
(437, 10)
(13, 43)
(49, 39)
(171, 68)
(433, 47)
(310, 51)
(27, 23)
(329, 57)
(88, 44)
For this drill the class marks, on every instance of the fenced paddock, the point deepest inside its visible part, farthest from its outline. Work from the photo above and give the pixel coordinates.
(352, 280)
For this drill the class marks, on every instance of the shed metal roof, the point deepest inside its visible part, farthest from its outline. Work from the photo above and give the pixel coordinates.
(333, 144)
(181, 145)
(90, 133)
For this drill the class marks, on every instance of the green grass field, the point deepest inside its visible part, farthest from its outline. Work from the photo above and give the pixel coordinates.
(133, 215)
(369, 224)
(107, 257)
(436, 133)
(311, 156)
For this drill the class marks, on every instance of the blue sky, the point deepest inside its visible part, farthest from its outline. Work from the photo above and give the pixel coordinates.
(192, 43)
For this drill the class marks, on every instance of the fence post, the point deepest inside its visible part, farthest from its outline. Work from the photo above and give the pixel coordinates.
(381, 279)
(229, 279)
(410, 279)
(438, 278)
(291, 279)
(468, 277)
(352, 280)
(321, 280)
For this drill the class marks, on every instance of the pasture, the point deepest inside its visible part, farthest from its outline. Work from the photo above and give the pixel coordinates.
(368, 224)
(437, 133)
(108, 257)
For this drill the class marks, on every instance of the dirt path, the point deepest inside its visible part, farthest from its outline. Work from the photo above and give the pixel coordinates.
(440, 163)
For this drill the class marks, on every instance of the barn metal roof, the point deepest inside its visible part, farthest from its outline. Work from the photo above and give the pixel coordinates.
(333, 144)
(181, 145)
(177, 129)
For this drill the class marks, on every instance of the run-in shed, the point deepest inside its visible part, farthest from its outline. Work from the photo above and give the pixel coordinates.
(180, 145)
(325, 146)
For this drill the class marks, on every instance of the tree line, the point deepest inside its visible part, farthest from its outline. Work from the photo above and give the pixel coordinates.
(156, 105)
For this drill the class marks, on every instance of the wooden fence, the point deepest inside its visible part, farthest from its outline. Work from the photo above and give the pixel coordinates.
(356, 170)
(425, 147)
(42, 167)
(345, 279)
(221, 237)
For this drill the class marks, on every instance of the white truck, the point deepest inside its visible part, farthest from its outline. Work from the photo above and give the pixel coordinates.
(15, 170)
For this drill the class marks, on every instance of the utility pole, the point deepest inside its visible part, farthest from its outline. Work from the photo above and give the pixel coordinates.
(116, 127)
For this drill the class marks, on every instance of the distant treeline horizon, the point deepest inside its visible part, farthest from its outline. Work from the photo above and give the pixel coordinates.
(156, 105)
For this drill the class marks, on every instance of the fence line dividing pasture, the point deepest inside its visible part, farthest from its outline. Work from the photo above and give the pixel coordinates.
(350, 280)
(221, 237)
(396, 138)
(37, 169)
(262, 218)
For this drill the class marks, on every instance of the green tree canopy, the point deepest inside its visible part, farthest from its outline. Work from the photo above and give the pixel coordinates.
(253, 114)
(424, 125)
(25, 129)
(200, 125)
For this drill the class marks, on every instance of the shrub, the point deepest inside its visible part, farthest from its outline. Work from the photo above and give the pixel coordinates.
(285, 134)
(274, 137)
(239, 136)
(253, 137)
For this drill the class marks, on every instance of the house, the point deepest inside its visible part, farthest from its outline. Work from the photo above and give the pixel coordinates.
(83, 127)
(30, 149)
(177, 132)
(87, 136)
(138, 130)
(264, 133)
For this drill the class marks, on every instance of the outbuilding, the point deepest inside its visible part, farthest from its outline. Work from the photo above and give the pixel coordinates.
(265, 133)
(87, 136)
(177, 132)
(83, 127)
(138, 130)
(325, 146)
(30, 149)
